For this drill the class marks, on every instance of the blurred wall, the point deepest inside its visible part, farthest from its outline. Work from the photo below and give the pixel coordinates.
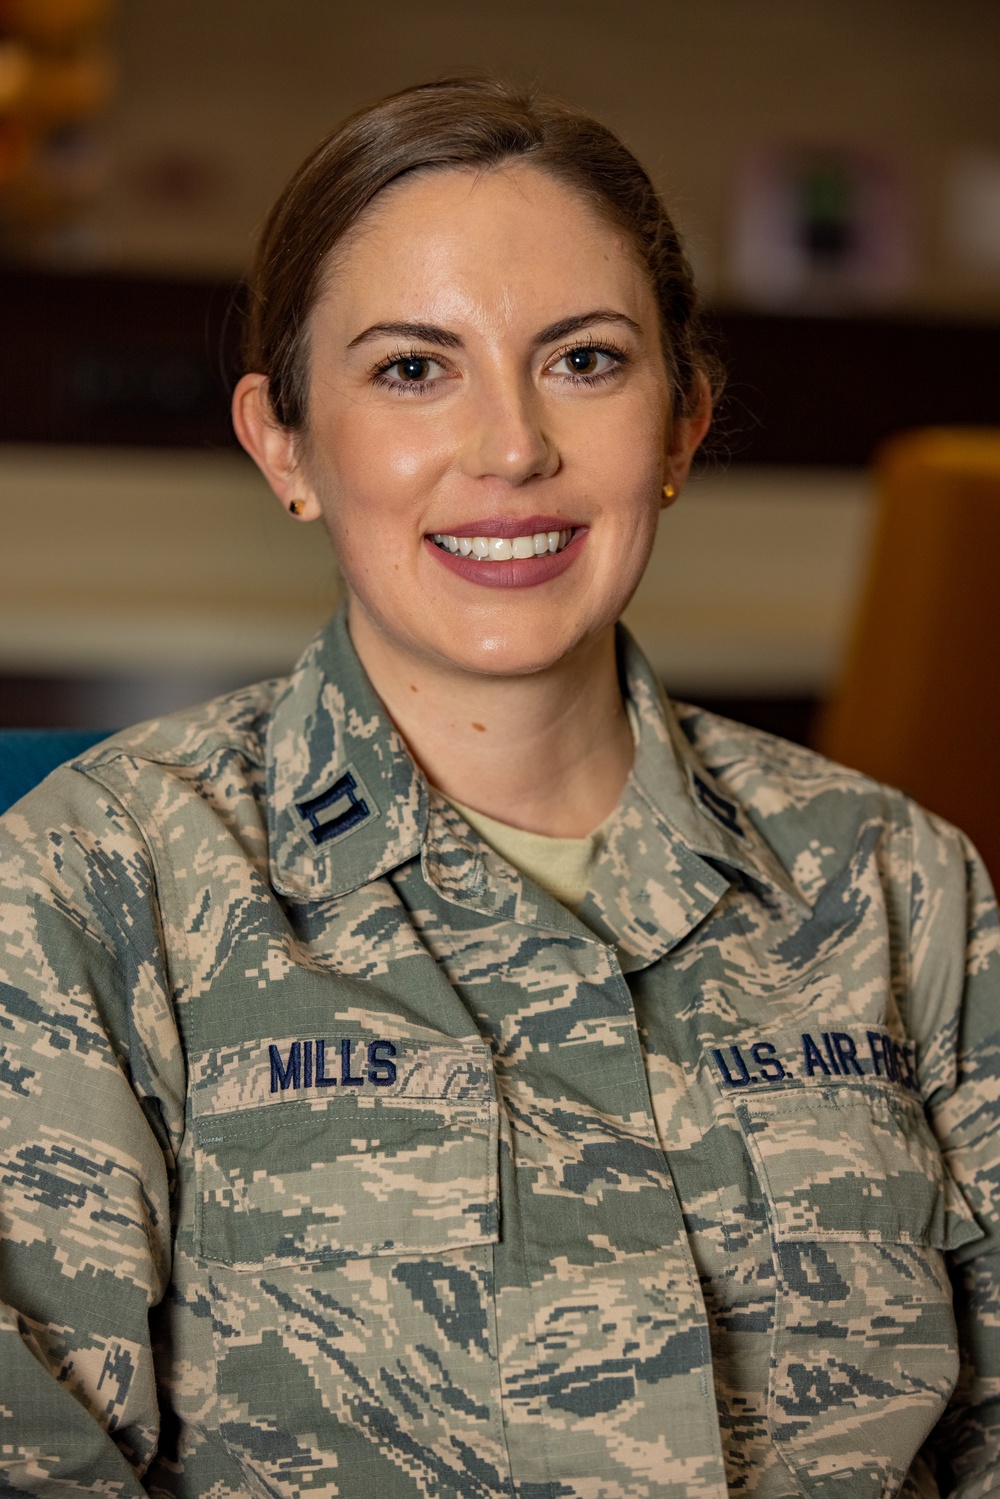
(754, 576)
(219, 100)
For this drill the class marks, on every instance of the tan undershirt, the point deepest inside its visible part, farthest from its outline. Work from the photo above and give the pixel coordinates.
(561, 866)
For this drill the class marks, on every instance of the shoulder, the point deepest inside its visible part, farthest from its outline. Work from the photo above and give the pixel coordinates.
(863, 852)
(818, 817)
(101, 810)
(831, 826)
(234, 723)
(770, 775)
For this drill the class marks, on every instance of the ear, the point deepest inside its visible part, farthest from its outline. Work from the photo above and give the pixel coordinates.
(686, 435)
(272, 447)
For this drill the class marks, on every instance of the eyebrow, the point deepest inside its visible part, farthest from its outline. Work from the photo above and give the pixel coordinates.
(430, 333)
(568, 325)
(427, 333)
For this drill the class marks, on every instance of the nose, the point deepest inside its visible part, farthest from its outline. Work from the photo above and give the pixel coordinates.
(507, 437)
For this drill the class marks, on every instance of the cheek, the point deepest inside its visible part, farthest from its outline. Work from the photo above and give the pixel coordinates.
(623, 471)
(379, 465)
(626, 436)
(374, 490)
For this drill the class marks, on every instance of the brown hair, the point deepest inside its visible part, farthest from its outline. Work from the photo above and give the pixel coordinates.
(459, 122)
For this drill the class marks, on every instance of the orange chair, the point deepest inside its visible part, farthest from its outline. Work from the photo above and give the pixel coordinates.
(918, 704)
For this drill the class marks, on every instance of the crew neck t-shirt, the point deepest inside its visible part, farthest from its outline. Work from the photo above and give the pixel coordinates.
(560, 866)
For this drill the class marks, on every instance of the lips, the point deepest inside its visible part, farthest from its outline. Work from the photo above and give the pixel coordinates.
(508, 553)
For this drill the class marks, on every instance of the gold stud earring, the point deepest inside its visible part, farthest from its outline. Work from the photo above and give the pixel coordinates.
(296, 507)
(669, 492)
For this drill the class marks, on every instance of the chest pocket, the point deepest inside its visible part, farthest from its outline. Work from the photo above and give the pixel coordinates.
(864, 1354)
(341, 1229)
(398, 1159)
(853, 1164)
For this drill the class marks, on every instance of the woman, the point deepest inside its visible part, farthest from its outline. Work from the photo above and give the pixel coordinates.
(451, 1070)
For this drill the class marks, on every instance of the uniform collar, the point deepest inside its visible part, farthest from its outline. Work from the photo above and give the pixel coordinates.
(687, 795)
(677, 840)
(346, 804)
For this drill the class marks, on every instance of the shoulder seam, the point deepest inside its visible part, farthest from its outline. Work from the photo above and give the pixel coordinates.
(93, 759)
(141, 839)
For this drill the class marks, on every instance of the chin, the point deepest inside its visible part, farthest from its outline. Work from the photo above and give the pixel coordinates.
(506, 654)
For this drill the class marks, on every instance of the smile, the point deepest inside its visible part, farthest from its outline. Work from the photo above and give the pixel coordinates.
(505, 548)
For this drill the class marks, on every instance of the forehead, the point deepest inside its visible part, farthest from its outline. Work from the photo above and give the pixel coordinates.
(483, 246)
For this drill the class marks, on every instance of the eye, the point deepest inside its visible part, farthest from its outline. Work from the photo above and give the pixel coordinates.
(587, 362)
(413, 370)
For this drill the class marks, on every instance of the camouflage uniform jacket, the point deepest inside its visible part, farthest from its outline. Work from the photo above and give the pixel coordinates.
(337, 1159)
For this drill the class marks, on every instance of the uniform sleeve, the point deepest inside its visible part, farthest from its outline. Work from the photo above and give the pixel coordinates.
(91, 1095)
(955, 984)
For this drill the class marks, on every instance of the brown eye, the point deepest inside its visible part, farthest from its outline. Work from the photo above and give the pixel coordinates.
(587, 363)
(413, 369)
(418, 372)
(582, 361)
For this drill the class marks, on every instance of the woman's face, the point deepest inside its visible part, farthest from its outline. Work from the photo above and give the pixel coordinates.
(486, 368)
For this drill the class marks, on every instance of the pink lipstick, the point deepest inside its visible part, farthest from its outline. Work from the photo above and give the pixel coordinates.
(490, 564)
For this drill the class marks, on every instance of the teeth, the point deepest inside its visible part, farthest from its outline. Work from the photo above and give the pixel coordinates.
(503, 548)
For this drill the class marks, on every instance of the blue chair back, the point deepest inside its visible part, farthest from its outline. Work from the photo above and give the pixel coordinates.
(27, 756)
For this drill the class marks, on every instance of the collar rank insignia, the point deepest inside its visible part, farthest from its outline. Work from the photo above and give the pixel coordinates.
(719, 807)
(347, 789)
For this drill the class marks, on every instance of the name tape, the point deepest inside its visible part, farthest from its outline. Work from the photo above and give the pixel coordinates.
(353, 1064)
(828, 1055)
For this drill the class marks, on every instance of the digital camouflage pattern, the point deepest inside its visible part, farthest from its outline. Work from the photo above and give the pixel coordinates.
(338, 1159)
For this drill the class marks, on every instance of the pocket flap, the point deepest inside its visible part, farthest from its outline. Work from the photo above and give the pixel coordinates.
(316, 1181)
(862, 1165)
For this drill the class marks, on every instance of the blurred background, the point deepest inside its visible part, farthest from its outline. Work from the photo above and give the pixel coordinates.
(835, 169)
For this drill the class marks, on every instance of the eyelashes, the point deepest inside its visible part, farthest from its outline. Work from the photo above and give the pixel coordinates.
(607, 349)
(616, 356)
(379, 375)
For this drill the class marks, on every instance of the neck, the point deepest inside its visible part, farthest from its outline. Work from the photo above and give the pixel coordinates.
(548, 752)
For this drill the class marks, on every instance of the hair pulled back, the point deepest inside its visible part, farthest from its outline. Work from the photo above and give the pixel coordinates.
(458, 122)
